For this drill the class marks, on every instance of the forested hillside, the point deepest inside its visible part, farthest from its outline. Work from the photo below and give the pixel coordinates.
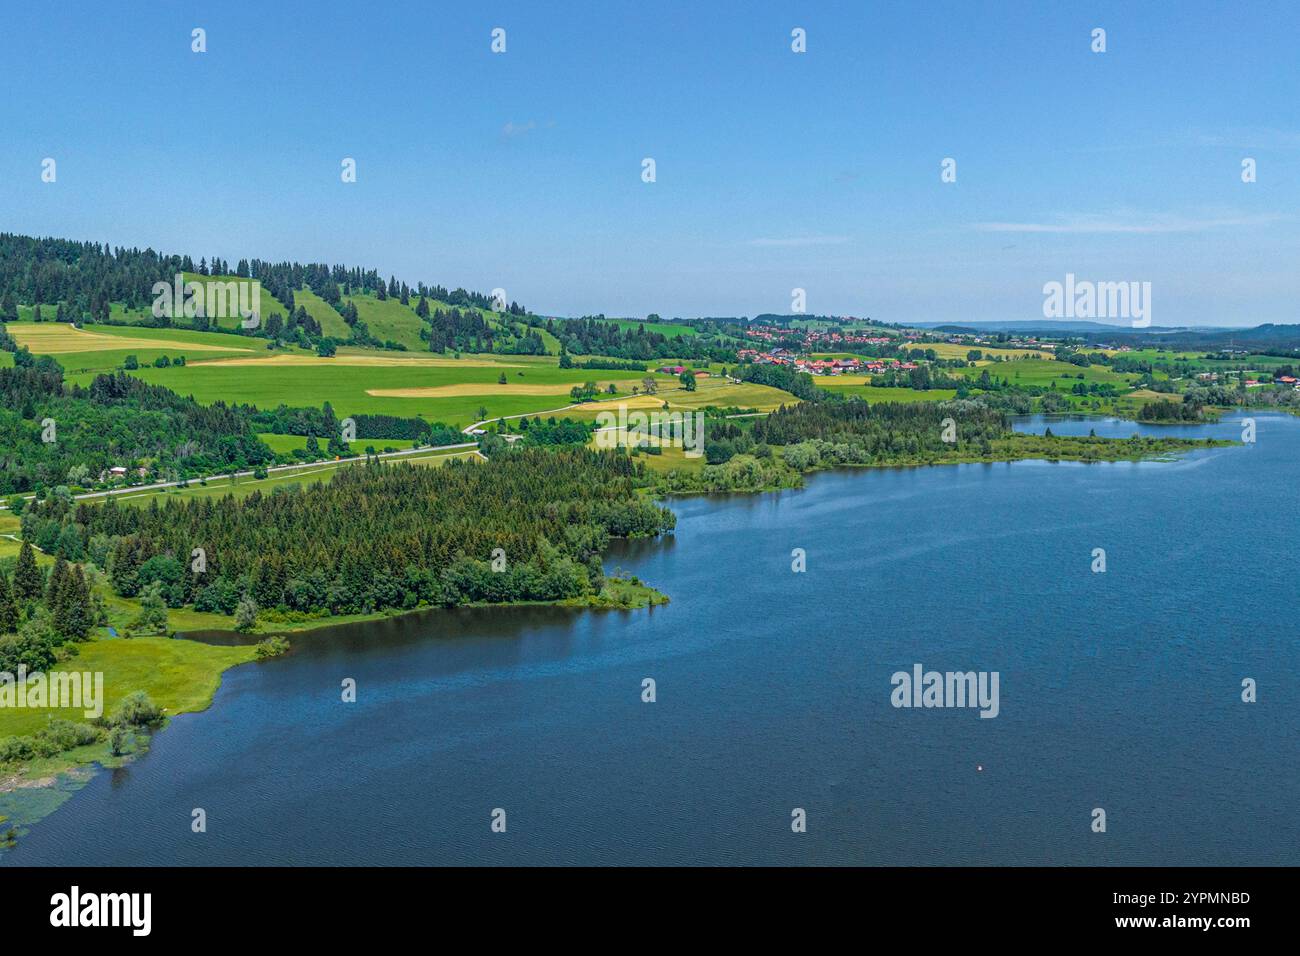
(85, 282)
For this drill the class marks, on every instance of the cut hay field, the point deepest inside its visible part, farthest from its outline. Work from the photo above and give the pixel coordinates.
(83, 353)
(718, 393)
(48, 338)
(951, 350)
(240, 370)
(392, 383)
(483, 389)
(857, 385)
(359, 358)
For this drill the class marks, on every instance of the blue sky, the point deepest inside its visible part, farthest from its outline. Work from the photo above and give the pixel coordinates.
(775, 170)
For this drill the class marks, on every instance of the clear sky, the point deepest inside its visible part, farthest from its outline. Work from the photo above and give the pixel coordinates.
(775, 170)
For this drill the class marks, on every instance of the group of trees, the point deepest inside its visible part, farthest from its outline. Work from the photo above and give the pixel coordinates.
(595, 335)
(528, 525)
(41, 613)
(611, 365)
(922, 379)
(48, 428)
(78, 281)
(459, 330)
(1169, 411)
(44, 615)
(883, 432)
(798, 384)
(553, 431)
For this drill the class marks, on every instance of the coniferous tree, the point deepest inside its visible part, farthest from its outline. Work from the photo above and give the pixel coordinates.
(28, 581)
(124, 568)
(54, 588)
(75, 615)
(8, 608)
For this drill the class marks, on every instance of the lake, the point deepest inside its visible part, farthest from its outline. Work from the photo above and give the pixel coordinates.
(1118, 690)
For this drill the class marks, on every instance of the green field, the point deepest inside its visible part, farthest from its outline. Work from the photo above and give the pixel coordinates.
(331, 323)
(177, 675)
(1043, 372)
(102, 348)
(858, 385)
(240, 369)
(951, 350)
(283, 443)
(230, 318)
(716, 392)
(669, 329)
(389, 320)
(450, 391)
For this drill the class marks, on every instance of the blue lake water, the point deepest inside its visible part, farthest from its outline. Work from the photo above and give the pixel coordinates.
(1119, 690)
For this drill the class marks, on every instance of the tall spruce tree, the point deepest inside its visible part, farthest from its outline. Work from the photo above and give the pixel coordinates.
(72, 615)
(54, 589)
(8, 608)
(28, 582)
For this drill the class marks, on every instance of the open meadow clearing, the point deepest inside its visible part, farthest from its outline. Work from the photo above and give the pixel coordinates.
(952, 350)
(669, 329)
(491, 389)
(1043, 372)
(331, 323)
(389, 320)
(178, 676)
(239, 369)
(393, 387)
(97, 349)
(49, 338)
(359, 359)
(859, 386)
(284, 443)
(718, 393)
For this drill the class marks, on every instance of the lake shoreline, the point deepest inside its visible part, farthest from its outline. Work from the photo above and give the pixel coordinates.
(50, 772)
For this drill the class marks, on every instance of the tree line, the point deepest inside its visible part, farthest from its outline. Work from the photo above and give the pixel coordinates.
(529, 525)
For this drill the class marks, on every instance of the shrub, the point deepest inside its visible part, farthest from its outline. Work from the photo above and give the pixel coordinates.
(137, 710)
(271, 647)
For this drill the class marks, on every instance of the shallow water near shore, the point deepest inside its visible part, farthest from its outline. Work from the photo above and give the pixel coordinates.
(1119, 691)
